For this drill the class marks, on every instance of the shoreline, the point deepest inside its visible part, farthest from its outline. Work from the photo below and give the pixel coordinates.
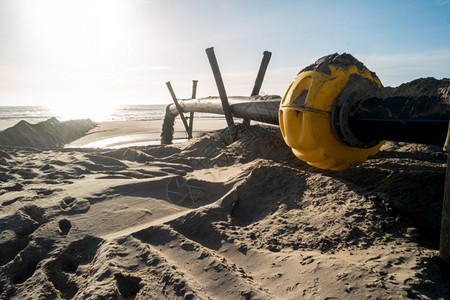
(123, 133)
(119, 134)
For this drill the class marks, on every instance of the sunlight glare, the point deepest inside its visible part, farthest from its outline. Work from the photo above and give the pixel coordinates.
(95, 112)
(85, 45)
(80, 33)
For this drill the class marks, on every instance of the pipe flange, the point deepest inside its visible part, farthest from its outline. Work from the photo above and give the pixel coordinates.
(342, 109)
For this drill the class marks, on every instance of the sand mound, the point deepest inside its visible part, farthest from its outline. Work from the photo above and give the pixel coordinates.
(47, 134)
(219, 219)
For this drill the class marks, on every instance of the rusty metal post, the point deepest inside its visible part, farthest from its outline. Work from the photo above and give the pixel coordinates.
(191, 114)
(444, 249)
(222, 93)
(180, 111)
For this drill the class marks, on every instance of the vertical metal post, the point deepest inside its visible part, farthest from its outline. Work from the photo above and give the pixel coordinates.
(194, 89)
(259, 78)
(180, 111)
(444, 249)
(222, 93)
(261, 73)
(191, 115)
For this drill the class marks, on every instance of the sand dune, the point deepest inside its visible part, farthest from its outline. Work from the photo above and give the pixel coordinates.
(47, 134)
(217, 219)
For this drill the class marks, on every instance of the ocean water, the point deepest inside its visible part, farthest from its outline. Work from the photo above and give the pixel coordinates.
(10, 115)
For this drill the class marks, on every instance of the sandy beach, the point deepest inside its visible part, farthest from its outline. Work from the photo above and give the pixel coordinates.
(120, 134)
(212, 218)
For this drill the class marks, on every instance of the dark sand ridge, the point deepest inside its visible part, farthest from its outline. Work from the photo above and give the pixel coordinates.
(218, 219)
(47, 134)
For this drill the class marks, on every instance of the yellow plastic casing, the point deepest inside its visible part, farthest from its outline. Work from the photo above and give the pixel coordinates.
(306, 127)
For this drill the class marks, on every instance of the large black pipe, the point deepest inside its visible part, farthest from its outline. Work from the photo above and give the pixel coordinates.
(415, 112)
(425, 129)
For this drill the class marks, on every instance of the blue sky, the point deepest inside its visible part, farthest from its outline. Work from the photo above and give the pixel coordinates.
(66, 52)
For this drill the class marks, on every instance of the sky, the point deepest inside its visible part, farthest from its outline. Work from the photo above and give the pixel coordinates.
(107, 52)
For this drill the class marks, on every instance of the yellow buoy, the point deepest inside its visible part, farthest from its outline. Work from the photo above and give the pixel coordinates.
(305, 115)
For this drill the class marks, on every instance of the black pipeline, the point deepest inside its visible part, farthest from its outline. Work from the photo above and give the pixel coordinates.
(414, 112)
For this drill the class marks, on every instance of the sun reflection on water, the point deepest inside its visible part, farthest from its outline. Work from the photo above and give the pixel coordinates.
(97, 113)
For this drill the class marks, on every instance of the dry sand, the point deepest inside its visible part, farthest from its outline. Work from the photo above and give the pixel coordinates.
(215, 219)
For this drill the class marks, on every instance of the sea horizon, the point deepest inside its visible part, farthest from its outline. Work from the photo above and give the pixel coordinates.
(11, 115)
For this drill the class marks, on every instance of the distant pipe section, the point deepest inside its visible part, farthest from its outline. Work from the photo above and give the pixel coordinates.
(265, 111)
(260, 108)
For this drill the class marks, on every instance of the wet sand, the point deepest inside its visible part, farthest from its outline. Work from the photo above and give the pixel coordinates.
(117, 134)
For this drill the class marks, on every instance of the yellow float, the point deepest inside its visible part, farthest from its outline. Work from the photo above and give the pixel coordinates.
(305, 117)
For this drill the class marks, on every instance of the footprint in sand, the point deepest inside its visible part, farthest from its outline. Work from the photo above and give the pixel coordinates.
(128, 285)
(64, 272)
(64, 226)
(73, 205)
